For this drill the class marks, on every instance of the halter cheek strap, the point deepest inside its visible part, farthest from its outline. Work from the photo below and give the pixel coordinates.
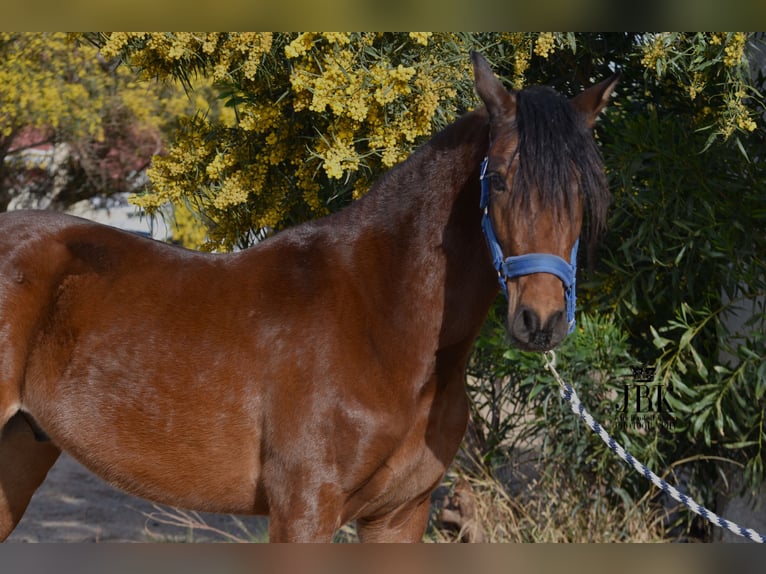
(516, 266)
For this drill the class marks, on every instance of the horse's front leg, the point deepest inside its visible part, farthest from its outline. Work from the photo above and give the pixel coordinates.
(24, 463)
(286, 528)
(303, 513)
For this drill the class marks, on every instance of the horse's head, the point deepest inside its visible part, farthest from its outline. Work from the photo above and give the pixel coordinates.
(542, 175)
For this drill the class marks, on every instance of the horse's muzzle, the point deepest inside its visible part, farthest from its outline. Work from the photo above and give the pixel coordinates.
(530, 332)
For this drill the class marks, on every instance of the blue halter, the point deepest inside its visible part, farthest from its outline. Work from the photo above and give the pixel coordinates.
(516, 266)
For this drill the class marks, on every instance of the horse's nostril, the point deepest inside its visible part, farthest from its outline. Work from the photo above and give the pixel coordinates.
(531, 320)
(555, 321)
(525, 324)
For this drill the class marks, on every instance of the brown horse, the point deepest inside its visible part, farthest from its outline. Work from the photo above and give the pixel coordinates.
(317, 377)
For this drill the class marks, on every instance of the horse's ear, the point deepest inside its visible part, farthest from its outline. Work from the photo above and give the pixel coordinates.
(499, 101)
(592, 100)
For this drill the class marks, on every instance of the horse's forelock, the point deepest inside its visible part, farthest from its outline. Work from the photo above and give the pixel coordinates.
(555, 148)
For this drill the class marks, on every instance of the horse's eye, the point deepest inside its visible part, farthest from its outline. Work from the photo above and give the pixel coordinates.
(497, 182)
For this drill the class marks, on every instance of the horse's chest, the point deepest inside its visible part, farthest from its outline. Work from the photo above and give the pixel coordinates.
(422, 456)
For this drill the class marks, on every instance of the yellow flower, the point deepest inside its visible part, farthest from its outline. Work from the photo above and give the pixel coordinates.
(357, 106)
(520, 66)
(232, 192)
(340, 38)
(545, 44)
(116, 42)
(300, 45)
(421, 37)
(402, 73)
(180, 45)
(745, 122)
(210, 43)
(734, 49)
(697, 85)
(188, 229)
(217, 167)
(338, 159)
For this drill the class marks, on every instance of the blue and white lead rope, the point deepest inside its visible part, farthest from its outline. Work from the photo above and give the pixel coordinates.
(568, 393)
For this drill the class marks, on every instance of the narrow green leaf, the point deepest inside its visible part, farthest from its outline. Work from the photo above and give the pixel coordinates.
(740, 444)
(657, 340)
(685, 338)
(701, 368)
(700, 421)
(677, 405)
(536, 390)
(719, 418)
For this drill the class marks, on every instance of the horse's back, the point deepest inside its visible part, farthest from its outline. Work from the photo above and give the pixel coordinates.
(107, 334)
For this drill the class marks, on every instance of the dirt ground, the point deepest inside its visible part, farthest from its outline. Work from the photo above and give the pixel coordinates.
(74, 505)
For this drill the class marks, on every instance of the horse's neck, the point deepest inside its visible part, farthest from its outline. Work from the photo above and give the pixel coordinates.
(418, 197)
(429, 209)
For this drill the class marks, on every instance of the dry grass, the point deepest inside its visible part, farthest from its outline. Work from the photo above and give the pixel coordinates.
(546, 509)
(194, 527)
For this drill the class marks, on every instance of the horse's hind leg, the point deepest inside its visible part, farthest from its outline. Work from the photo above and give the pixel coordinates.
(24, 463)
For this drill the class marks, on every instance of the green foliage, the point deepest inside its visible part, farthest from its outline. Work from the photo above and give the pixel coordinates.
(685, 251)
(683, 256)
(525, 407)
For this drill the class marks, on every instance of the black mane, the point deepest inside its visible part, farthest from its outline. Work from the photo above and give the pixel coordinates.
(555, 148)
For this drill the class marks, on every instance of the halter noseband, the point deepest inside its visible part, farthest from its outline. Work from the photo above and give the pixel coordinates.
(516, 266)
